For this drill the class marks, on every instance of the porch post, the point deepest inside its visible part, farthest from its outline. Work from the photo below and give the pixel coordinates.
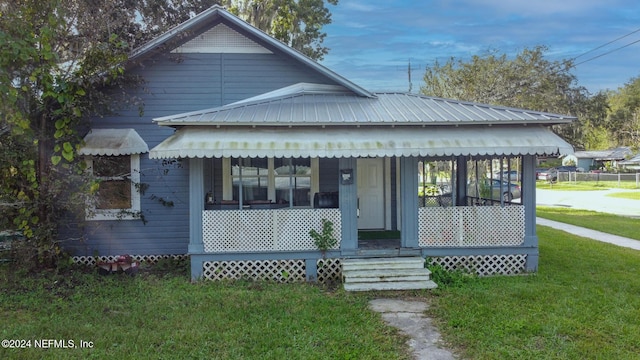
(348, 199)
(461, 181)
(409, 202)
(196, 206)
(529, 203)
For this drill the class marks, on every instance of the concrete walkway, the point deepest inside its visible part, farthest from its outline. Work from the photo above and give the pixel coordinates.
(408, 316)
(591, 234)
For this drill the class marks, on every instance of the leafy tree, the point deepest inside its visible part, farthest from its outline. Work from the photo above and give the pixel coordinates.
(527, 81)
(624, 116)
(52, 65)
(297, 23)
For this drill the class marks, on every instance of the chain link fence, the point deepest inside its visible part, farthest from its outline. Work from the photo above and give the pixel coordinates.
(564, 176)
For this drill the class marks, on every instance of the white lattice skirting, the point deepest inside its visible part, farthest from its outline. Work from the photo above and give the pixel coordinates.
(283, 271)
(471, 226)
(484, 265)
(149, 259)
(265, 230)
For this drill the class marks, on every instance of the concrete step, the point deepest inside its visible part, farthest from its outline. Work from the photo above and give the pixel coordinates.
(396, 273)
(386, 275)
(383, 263)
(406, 285)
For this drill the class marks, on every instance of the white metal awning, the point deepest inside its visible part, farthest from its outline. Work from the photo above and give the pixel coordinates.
(208, 142)
(113, 142)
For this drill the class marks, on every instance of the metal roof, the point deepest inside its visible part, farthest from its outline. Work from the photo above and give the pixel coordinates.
(113, 142)
(310, 104)
(208, 141)
(610, 154)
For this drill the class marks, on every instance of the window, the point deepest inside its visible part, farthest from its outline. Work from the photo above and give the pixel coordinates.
(117, 197)
(293, 181)
(267, 180)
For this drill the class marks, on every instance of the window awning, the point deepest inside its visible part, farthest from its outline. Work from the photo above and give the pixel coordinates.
(113, 142)
(369, 141)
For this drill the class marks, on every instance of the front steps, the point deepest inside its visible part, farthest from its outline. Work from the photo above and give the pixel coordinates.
(397, 273)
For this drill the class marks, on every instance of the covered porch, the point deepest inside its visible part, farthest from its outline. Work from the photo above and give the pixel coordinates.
(265, 171)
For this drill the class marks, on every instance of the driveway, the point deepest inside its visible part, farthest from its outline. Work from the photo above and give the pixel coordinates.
(595, 200)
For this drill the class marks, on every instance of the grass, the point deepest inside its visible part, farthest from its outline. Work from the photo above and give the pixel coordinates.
(150, 316)
(634, 195)
(586, 185)
(612, 224)
(582, 304)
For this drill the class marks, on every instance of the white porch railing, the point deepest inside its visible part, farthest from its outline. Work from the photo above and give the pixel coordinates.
(265, 230)
(471, 226)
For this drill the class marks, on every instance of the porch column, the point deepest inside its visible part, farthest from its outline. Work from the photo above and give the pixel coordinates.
(461, 181)
(348, 199)
(409, 202)
(529, 203)
(196, 206)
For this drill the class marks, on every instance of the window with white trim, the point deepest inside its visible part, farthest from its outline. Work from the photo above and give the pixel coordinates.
(117, 196)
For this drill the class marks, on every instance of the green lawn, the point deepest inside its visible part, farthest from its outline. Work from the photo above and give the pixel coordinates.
(152, 317)
(613, 224)
(633, 195)
(582, 304)
(586, 185)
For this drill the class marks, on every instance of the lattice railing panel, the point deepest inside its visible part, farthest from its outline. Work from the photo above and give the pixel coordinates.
(471, 226)
(329, 270)
(484, 265)
(149, 259)
(284, 271)
(221, 39)
(265, 230)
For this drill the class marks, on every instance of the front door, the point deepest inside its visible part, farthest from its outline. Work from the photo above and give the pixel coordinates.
(371, 194)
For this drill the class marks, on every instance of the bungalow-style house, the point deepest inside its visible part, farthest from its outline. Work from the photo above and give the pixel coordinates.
(597, 159)
(632, 163)
(245, 145)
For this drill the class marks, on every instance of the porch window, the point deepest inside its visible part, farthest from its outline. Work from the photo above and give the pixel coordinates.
(487, 181)
(285, 181)
(117, 196)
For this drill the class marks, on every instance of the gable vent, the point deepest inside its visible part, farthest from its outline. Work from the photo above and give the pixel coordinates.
(221, 39)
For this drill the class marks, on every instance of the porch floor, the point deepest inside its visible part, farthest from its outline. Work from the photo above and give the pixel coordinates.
(378, 244)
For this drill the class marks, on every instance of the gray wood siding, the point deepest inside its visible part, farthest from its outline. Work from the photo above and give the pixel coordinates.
(175, 84)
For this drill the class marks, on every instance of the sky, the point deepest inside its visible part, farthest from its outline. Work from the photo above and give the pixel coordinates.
(372, 41)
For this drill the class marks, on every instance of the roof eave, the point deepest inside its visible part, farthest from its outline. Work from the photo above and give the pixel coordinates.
(173, 123)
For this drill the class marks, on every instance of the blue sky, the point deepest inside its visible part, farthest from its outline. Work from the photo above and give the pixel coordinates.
(372, 41)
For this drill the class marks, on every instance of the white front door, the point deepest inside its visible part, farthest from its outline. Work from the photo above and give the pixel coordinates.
(371, 193)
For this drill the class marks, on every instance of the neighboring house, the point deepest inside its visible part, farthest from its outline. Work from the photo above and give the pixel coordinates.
(597, 159)
(252, 145)
(631, 164)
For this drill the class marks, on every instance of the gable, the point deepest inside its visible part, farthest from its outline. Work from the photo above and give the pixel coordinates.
(219, 40)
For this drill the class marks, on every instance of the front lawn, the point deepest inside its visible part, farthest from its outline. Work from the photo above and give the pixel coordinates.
(582, 304)
(609, 223)
(168, 317)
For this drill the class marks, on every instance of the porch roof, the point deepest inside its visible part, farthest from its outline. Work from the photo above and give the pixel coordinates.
(315, 104)
(373, 141)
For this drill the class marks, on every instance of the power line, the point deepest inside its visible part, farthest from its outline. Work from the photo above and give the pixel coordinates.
(603, 45)
(606, 53)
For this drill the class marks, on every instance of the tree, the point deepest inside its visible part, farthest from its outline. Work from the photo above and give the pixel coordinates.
(527, 81)
(52, 66)
(297, 23)
(624, 117)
